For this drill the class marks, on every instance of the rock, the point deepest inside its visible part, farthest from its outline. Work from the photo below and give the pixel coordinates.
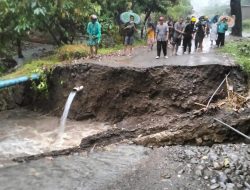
(248, 150)
(228, 171)
(166, 176)
(198, 172)
(194, 161)
(190, 153)
(213, 180)
(242, 177)
(214, 186)
(226, 163)
(217, 166)
(181, 171)
(222, 185)
(199, 141)
(247, 184)
(222, 177)
(206, 177)
(212, 156)
(238, 185)
(230, 186)
(239, 172)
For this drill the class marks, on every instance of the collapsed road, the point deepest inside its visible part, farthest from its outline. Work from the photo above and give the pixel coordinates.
(158, 114)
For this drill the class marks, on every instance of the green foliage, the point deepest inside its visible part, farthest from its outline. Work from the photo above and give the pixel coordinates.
(182, 9)
(240, 51)
(41, 87)
(69, 52)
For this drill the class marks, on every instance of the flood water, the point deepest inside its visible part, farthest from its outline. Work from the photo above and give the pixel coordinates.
(24, 132)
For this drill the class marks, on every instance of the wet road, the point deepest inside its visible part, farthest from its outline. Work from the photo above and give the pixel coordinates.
(128, 167)
(79, 172)
(142, 58)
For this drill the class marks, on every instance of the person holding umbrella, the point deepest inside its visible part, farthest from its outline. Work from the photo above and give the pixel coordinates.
(94, 35)
(129, 30)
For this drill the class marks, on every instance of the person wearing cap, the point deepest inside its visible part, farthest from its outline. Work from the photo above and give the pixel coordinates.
(129, 29)
(178, 32)
(221, 29)
(188, 35)
(94, 35)
(162, 38)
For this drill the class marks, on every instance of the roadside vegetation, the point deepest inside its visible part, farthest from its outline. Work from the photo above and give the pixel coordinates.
(240, 51)
(62, 55)
(246, 25)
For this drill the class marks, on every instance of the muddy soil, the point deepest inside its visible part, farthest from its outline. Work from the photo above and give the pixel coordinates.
(113, 94)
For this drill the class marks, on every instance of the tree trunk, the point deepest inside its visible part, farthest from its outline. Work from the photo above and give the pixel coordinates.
(19, 48)
(144, 23)
(236, 10)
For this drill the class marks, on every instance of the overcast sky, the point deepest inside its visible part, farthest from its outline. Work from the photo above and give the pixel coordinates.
(200, 4)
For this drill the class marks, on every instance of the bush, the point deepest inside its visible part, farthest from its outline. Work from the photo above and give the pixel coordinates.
(68, 52)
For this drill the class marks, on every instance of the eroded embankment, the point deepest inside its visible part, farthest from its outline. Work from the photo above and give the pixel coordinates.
(151, 107)
(113, 94)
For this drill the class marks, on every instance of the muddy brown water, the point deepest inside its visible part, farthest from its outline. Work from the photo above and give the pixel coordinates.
(23, 133)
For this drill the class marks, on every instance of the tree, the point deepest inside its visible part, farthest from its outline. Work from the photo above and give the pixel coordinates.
(182, 9)
(60, 18)
(236, 10)
(148, 7)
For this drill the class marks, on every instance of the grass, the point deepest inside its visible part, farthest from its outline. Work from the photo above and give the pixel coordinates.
(246, 25)
(32, 67)
(67, 52)
(240, 51)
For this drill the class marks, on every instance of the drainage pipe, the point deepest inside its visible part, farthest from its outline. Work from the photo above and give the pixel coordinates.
(15, 81)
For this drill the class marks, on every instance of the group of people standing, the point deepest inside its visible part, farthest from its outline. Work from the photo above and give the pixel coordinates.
(165, 34)
(174, 34)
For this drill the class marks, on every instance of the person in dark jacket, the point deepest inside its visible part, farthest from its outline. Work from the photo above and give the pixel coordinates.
(200, 34)
(188, 35)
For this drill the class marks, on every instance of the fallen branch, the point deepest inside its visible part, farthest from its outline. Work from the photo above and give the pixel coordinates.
(235, 130)
(217, 90)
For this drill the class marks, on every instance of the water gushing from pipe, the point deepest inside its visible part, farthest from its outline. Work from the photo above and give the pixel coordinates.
(66, 110)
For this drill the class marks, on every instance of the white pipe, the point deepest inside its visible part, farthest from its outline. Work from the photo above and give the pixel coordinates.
(78, 89)
(240, 133)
